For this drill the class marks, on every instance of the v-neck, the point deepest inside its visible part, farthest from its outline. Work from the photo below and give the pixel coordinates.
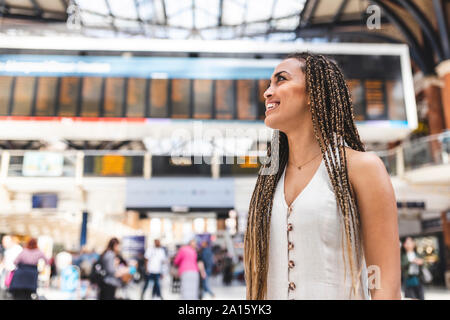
(304, 189)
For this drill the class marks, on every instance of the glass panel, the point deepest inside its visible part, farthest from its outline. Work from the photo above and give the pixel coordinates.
(180, 98)
(224, 99)
(68, 96)
(23, 96)
(246, 105)
(5, 93)
(91, 96)
(45, 96)
(202, 99)
(114, 88)
(158, 98)
(136, 97)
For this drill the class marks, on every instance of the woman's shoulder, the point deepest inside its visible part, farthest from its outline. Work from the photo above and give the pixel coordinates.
(359, 162)
(364, 167)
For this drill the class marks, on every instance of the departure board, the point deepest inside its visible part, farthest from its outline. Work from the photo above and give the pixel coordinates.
(197, 88)
(224, 99)
(46, 95)
(136, 97)
(114, 96)
(375, 83)
(203, 93)
(181, 95)
(23, 96)
(113, 165)
(246, 104)
(5, 94)
(91, 96)
(357, 94)
(262, 87)
(68, 96)
(158, 98)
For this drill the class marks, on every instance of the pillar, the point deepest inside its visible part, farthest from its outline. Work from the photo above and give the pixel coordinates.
(443, 71)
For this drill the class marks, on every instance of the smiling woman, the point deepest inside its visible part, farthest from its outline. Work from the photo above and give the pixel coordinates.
(317, 223)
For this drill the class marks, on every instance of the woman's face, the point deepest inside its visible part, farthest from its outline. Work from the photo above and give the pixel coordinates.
(409, 244)
(286, 98)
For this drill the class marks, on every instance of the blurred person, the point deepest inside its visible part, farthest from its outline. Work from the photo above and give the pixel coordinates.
(207, 258)
(188, 271)
(175, 277)
(11, 249)
(227, 270)
(202, 273)
(412, 264)
(239, 273)
(156, 259)
(141, 267)
(24, 282)
(110, 263)
(85, 261)
(321, 197)
(53, 271)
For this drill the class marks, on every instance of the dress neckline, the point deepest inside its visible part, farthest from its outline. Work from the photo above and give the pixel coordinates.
(304, 189)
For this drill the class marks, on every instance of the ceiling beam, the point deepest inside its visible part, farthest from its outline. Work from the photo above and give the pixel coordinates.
(439, 10)
(424, 23)
(409, 36)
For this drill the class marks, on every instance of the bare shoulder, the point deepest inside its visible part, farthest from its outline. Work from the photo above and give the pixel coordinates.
(358, 160)
(364, 167)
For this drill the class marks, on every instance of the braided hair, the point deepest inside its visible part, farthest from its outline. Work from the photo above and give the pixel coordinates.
(332, 116)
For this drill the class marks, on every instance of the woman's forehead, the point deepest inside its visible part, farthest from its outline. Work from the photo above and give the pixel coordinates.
(291, 65)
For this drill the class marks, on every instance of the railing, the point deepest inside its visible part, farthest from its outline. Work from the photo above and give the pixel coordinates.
(427, 151)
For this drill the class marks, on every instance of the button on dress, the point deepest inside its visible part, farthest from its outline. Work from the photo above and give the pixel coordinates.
(305, 246)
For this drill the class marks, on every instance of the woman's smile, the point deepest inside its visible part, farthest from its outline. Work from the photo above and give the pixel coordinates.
(270, 106)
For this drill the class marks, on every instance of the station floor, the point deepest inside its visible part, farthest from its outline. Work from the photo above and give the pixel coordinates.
(236, 291)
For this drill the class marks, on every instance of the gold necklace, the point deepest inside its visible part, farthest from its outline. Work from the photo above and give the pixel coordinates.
(300, 166)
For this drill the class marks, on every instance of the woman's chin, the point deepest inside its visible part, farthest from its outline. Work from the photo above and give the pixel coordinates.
(272, 123)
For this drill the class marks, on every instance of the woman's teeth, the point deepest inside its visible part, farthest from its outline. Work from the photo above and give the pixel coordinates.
(272, 105)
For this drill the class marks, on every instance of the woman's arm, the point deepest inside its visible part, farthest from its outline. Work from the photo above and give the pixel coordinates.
(379, 225)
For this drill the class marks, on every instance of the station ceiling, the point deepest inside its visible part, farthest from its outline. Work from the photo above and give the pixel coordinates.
(423, 24)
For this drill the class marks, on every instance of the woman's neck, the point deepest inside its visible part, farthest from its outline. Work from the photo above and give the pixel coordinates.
(303, 145)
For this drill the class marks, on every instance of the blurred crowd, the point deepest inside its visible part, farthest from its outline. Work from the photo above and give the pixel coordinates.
(107, 275)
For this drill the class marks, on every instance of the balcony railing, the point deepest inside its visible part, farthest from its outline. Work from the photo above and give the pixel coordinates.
(424, 152)
(428, 151)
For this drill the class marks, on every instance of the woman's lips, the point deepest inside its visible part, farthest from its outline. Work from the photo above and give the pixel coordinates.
(271, 106)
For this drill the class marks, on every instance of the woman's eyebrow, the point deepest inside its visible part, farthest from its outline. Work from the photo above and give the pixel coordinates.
(279, 72)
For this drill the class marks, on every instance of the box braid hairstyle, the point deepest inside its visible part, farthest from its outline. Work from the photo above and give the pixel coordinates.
(332, 115)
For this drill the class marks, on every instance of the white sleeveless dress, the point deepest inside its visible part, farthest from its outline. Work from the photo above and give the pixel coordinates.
(305, 247)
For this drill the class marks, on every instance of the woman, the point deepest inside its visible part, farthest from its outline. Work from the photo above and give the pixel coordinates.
(326, 208)
(188, 270)
(411, 269)
(25, 279)
(111, 265)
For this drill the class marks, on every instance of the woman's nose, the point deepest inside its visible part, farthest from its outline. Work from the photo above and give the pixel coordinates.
(268, 93)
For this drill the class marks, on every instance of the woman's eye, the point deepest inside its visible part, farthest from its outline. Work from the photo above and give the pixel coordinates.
(279, 78)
